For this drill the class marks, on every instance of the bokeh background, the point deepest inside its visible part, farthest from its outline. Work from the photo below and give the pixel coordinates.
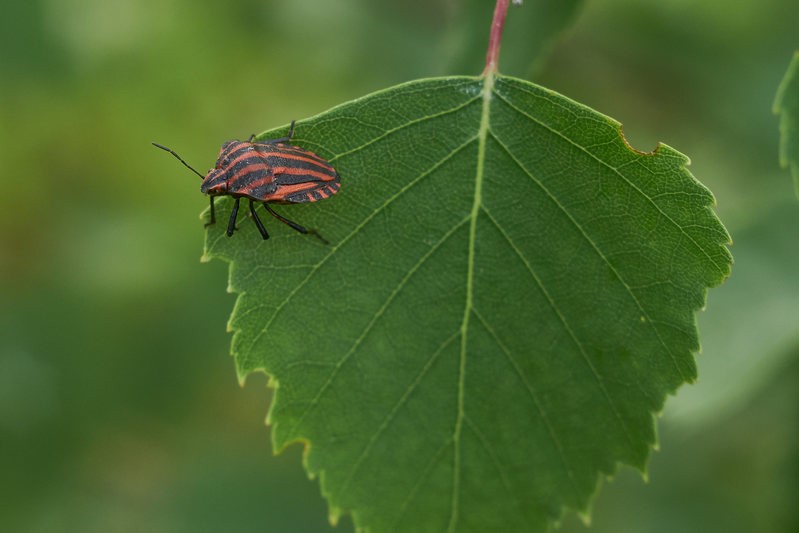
(119, 406)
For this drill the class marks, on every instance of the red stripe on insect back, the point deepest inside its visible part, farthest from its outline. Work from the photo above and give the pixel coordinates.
(234, 149)
(297, 157)
(254, 171)
(281, 147)
(299, 171)
(254, 184)
(312, 155)
(322, 192)
(243, 154)
(288, 190)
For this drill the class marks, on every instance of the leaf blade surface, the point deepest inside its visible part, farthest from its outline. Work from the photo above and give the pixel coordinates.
(508, 298)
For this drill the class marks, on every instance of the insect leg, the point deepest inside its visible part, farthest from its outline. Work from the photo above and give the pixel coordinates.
(213, 215)
(294, 225)
(258, 222)
(285, 139)
(231, 225)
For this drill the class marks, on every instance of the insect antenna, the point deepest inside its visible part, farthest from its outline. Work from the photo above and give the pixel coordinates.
(162, 147)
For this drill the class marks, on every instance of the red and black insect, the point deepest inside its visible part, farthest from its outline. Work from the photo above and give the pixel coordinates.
(270, 172)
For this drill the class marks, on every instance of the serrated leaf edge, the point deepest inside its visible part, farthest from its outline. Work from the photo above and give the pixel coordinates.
(335, 512)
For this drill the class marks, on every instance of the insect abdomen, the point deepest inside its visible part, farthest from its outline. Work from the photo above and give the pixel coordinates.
(300, 175)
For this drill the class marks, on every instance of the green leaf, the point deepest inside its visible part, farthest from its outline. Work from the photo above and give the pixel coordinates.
(507, 299)
(786, 105)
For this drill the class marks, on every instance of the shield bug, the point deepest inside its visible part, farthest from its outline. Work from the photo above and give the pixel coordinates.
(270, 172)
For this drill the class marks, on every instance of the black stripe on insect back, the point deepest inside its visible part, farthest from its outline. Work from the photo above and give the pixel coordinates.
(313, 193)
(227, 145)
(293, 179)
(288, 149)
(280, 148)
(231, 150)
(278, 162)
(279, 159)
(328, 190)
(234, 148)
(239, 151)
(297, 198)
(246, 162)
(257, 183)
(247, 171)
(296, 159)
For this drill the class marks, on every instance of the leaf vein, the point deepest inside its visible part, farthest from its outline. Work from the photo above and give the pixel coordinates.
(355, 230)
(482, 134)
(379, 314)
(536, 402)
(393, 412)
(419, 482)
(616, 171)
(498, 465)
(566, 326)
(596, 249)
(403, 126)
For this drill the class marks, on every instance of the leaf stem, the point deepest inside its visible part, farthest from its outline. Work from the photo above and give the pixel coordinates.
(495, 37)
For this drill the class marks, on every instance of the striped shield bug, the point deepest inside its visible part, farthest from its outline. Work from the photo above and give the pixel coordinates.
(270, 172)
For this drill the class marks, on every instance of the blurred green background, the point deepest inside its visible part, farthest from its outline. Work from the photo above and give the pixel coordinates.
(119, 406)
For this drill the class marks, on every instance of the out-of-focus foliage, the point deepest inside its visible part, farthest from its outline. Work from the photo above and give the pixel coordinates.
(531, 31)
(118, 404)
(786, 105)
(754, 322)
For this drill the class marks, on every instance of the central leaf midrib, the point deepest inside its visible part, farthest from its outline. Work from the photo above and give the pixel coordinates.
(482, 136)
